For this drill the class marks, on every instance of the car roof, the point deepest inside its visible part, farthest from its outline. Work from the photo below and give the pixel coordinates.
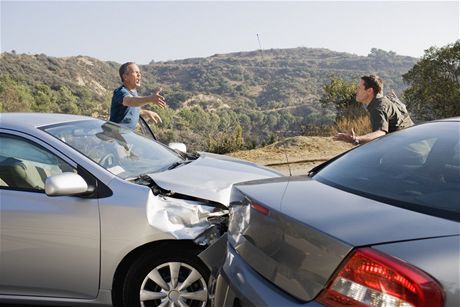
(32, 120)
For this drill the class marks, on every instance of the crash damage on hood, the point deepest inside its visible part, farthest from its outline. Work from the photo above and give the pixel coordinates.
(185, 217)
(190, 201)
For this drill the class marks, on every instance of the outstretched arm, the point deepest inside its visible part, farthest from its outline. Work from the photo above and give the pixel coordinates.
(139, 101)
(358, 139)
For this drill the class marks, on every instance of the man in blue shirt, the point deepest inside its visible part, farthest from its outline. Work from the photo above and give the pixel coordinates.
(126, 103)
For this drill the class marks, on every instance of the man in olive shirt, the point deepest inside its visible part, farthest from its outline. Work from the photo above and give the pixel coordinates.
(386, 115)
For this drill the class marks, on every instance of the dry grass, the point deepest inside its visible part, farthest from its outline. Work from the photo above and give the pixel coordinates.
(309, 149)
(361, 125)
(297, 148)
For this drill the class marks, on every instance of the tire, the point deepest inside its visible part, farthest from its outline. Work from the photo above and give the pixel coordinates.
(170, 278)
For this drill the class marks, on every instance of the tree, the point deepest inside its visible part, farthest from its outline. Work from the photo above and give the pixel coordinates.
(45, 99)
(222, 142)
(434, 83)
(340, 94)
(67, 101)
(14, 96)
(349, 113)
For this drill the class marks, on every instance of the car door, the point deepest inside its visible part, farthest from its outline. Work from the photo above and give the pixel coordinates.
(49, 246)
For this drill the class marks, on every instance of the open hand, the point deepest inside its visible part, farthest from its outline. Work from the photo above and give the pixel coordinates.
(151, 116)
(158, 99)
(345, 137)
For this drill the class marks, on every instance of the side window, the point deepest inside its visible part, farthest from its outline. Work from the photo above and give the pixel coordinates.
(26, 165)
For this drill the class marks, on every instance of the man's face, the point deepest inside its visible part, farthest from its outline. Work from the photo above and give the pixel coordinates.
(363, 95)
(132, 77)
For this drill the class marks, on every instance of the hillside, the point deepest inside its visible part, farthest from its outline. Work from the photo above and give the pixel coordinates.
(219, 103)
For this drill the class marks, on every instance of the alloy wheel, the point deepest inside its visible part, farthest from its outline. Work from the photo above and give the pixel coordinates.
(174, 284)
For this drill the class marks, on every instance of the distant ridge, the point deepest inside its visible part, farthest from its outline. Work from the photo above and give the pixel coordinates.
(308, 66)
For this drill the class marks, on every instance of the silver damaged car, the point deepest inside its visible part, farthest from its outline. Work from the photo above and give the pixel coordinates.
(94, 213)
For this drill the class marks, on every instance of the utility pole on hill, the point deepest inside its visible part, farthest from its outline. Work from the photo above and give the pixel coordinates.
(260, 46)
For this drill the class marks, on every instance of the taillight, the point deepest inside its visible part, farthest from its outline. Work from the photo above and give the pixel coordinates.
(371, 278)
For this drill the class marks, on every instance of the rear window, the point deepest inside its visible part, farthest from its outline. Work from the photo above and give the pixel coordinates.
(417, 168)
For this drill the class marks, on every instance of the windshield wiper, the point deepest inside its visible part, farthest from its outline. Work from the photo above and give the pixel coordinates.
(142, 179)
(187, 155)
(193, 155)
(177, 164)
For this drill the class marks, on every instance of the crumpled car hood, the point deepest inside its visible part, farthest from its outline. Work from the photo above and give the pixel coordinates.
(211, 177)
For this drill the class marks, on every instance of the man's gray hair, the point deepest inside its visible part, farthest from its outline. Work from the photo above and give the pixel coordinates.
(124, 69)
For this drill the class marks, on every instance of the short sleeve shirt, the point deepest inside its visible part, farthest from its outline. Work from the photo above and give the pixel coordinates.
(126, 116)
(386, 116)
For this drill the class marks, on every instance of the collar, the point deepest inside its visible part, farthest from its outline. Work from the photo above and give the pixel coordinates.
(378, 96)
(133, 92)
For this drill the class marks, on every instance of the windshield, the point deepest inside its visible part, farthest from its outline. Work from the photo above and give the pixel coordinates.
(417, 168)
(119, 150)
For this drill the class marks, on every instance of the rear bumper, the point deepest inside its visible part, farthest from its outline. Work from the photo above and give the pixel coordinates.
(239, 285)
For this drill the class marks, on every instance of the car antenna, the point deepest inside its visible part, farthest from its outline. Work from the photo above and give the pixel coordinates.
(287, 160)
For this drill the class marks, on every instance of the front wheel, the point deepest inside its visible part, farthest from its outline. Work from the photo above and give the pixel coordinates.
(166, 279)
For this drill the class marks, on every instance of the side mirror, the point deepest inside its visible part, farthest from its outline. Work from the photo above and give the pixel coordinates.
(178, 146)
(65, 184)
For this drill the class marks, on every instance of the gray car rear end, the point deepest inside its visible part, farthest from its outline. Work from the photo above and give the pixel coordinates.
(287, 256)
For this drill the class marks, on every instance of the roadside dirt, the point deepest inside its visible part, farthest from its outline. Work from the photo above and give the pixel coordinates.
(302, 153)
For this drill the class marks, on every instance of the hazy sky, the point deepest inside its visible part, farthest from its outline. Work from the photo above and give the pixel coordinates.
(141, 31)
